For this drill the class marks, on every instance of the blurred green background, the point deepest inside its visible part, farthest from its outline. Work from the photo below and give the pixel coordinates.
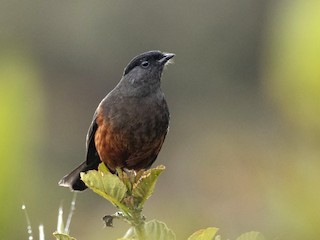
(244, 93)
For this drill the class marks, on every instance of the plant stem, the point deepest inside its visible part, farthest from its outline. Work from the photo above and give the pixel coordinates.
(140, 231)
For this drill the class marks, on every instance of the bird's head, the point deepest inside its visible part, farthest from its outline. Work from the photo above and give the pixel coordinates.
(143, 73)
(148, 62)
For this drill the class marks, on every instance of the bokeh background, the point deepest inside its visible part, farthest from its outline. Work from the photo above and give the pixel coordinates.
(244, 93)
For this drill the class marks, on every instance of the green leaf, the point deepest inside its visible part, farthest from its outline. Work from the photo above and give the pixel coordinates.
(62, 236)
(106, 185)
(150, 230)
(144, 187)
(130, 235)
(204, 234)
(157, 230)
(123, 175)
(103, 168)
(251, 236)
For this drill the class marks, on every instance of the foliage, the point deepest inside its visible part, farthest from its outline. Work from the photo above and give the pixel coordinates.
(128, 190)
(251, 236)
(204, 234)
(62, 236)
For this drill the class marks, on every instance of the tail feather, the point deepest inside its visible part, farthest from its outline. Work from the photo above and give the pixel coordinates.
(73, 181)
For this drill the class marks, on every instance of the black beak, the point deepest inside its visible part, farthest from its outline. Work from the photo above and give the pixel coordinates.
(166, 57)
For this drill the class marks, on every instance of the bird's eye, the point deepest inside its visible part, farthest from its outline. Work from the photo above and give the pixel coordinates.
(145, 64)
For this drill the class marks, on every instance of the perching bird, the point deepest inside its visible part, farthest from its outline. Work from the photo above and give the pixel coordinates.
(130, 123)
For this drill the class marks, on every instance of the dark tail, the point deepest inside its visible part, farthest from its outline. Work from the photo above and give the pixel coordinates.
(73, 181)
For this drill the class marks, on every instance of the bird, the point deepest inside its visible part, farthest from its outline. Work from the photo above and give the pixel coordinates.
(131, 122)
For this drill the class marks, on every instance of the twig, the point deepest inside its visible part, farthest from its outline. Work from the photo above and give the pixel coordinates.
(29, 228)
(41, 232)
(71, 212)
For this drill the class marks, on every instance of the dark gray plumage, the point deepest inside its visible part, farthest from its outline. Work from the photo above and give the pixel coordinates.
(130, 123)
